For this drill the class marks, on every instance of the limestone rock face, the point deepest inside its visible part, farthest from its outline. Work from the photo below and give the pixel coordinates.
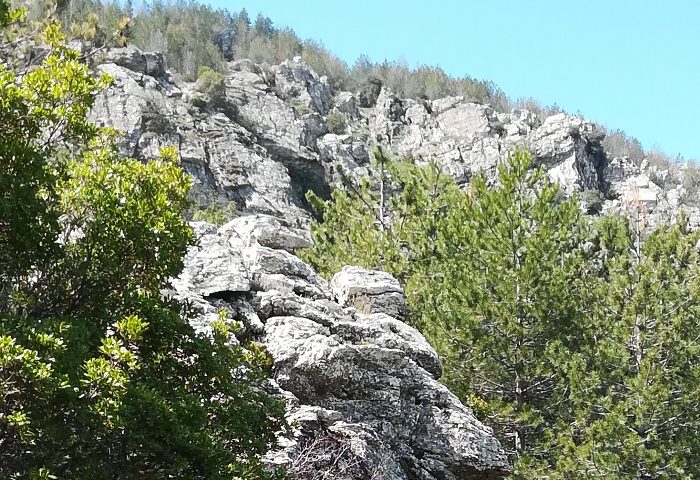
(363, 375)
(270, 143)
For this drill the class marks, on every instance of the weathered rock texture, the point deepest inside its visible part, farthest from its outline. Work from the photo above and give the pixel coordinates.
(342, 360)
(270, 142)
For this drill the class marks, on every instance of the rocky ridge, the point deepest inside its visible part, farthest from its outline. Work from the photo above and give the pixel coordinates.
(343, 359)
(274, 143)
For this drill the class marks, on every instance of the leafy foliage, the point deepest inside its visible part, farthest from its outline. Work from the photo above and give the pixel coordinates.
(99, 376)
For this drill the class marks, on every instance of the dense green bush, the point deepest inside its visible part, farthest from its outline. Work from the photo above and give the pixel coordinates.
(100, 377)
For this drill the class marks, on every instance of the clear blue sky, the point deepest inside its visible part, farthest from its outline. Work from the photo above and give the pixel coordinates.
(633, 65)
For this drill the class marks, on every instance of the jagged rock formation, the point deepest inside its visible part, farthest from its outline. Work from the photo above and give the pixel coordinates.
(273, 144)
(344, 361)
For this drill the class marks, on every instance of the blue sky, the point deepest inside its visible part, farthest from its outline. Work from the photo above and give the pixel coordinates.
(633, 65)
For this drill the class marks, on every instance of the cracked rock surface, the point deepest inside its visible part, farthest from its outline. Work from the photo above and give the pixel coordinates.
(362, 374)
(271, 144)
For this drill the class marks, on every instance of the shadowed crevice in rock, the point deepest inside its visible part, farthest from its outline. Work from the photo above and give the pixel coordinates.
(308, 177)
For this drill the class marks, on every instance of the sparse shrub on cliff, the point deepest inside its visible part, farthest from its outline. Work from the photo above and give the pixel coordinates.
(301, 108)
(534, 106)
(664, 170)
(210, 83)
(192, 35)
(618, 144)
(216, 213)
(591, 201)
(324, 62)
(336, 122)
(369, 92)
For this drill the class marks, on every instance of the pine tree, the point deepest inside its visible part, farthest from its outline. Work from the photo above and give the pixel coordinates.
(514, 307)
(492, 278)
(637, 390)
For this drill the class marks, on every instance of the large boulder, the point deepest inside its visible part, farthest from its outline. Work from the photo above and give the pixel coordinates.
(369, 291)
(355, 379)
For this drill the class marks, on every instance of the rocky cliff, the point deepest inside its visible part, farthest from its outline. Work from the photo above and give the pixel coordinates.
(272, 141)
(344, 361)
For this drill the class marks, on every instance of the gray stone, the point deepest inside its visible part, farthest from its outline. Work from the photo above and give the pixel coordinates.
(131, 58)
(366, 378)
(347, 104)
(295, 79)
(369, 291)
(212, 267)
(267, 231)
(561, 143)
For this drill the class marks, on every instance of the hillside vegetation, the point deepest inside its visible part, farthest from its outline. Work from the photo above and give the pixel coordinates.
(575, 338)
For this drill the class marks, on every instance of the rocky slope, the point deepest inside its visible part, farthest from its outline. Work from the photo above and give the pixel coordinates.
(344, 361)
